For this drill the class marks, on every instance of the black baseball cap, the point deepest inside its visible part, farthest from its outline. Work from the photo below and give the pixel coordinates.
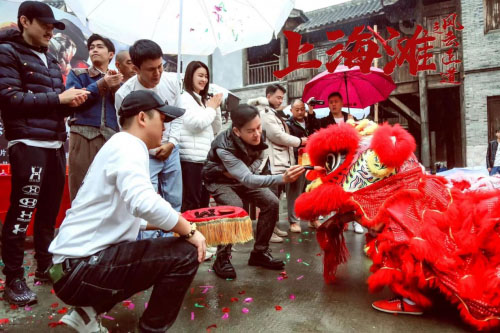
(41, 11)
(145, 100)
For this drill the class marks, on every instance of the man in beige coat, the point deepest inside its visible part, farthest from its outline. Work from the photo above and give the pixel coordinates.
(281, 143)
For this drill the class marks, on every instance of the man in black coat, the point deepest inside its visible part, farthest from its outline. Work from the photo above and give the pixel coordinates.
(33, 107)
(300, 126)
(493, 155)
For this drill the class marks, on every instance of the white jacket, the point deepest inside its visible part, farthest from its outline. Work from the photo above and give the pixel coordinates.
(200, 124)
(278, 137)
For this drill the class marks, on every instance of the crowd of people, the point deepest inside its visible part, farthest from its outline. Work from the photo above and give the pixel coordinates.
(141, 148)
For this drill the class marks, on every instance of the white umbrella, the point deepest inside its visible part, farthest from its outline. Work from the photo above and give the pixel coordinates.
(206, 24)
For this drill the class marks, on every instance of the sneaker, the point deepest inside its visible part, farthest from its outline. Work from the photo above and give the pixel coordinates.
(17, 292)
(397, 305)
(83, 320)
(276, 239)
(279, 232)
(314, 224)
(265, 259)
(223, 267)
(295, 227)
(358, 228)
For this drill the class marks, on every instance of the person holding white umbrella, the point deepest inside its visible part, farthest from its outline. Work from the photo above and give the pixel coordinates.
(164, 162)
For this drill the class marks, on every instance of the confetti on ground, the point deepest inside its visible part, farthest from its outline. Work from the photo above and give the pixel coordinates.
(192, 291)
(55, 323)
(278, 308)
(52, 291)
(299, 260)
(38, 283)
(318, 254)
(225, 316)
(288, 256)
(225, 310)
(292, 297)
(146, 305)
(234, 299)
(28, 308)
(211, 326)
(300, 240)
(4, 321)
(305, 263)
(192, 315)
(205, 289)
(241, 292)
(62, 310)
(196, 305)
(245, 310)
(54, 305)
(14, 307)
(280, 278)
(281, 251)
(300, 277)
(107, 317)
(248, 300)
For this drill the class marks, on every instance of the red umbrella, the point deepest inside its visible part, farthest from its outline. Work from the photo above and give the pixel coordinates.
(357, 89)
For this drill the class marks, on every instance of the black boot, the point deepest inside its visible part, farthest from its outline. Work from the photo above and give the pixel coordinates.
(223, 267)
(42, 277)
(17, 292)
(265, 259)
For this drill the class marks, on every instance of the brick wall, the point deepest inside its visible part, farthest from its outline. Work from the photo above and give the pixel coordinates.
(480, 51)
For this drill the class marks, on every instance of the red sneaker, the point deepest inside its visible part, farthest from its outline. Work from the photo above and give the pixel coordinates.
(397, 305)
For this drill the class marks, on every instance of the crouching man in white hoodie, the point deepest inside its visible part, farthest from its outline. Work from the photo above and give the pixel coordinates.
(97, 260)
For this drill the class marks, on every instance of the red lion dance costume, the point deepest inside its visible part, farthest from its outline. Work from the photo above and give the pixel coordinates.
(432, 233)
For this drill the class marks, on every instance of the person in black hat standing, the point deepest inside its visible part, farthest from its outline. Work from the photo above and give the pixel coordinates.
(33, 107)
(97, 260)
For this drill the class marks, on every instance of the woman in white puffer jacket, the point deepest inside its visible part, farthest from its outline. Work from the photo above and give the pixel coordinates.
(200, 122)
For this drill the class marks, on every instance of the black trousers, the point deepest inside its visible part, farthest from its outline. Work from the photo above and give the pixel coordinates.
(194, 193)
(120, 271)
(38, 176)
(234, 194)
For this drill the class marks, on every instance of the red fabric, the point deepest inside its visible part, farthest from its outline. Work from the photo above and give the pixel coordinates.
(430, 235)
(5, 186)
(221, 212)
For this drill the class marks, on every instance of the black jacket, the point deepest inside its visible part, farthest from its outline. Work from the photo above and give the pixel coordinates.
(29, 101)
(213, 169)
(297, 130)
(326, 121)
(490, 155)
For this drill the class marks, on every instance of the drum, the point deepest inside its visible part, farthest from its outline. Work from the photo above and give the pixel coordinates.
(222, 225)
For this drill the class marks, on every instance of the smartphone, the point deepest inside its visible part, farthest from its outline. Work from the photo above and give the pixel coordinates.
(309, 167)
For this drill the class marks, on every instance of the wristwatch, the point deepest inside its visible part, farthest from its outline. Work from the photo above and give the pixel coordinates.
(191, 233)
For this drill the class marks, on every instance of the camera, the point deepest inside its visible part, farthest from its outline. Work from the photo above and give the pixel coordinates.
(314, 102)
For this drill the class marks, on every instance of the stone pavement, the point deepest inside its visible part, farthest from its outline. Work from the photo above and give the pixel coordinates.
(299, 302)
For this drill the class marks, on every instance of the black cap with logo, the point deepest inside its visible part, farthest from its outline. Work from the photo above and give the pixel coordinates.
(41, 11)
(145, 100)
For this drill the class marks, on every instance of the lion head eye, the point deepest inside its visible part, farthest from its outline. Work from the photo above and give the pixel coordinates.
(333, 161)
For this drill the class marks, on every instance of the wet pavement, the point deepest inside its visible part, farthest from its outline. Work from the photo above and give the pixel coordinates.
(259, 300)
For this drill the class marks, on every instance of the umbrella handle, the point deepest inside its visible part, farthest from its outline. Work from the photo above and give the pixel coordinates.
(347, 93)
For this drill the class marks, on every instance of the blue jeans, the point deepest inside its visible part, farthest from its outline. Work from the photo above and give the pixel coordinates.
(495, 170)
(166, 177)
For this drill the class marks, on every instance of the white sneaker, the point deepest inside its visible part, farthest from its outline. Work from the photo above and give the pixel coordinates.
(358, 228)
(84, 320)
(276, 239)
(279, 232)
(210, 252)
